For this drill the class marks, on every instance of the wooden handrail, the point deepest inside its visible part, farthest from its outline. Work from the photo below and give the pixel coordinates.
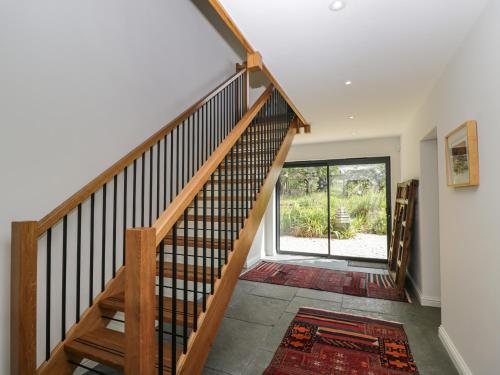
(219, 8)
(72, 202)
(174, 211)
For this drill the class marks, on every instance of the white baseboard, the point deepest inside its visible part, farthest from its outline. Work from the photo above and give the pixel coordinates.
(423, 299)
(455, 355)
(250, 262)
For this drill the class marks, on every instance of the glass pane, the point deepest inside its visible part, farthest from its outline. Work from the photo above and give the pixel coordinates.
(358, 211)
(304, 210)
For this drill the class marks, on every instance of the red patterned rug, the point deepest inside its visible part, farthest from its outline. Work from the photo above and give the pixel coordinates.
(359, 284)
(328, 343)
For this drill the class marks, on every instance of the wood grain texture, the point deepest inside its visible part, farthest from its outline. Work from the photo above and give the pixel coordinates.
(172, 214)
(254, 61)
(85, 192)
(219, 8)
(200, 342)
(91, 319)
(24, 251)
(140, 273)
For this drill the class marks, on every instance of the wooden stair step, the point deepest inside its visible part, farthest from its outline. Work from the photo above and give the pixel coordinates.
(168, 270)
(169, 240)
(108, 347)
(117, 303)
(215, 218)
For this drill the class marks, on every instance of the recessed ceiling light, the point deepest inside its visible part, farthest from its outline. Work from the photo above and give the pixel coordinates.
(351, 117)
(337, 5)
(347, 83)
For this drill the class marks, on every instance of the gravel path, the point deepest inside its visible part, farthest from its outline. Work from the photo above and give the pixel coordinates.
(361, 246)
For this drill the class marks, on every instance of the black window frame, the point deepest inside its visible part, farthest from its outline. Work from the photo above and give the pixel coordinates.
(386, 160)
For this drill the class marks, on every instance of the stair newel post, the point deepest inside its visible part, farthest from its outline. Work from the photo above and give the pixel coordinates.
(140, 275)
(24, 249)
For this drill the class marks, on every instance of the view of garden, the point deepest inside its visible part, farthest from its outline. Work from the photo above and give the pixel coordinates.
(357, 210)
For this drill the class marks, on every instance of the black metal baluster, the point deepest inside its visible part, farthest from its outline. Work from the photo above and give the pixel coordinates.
(232, 197)
(48, 294)
(247, 172)
(125, 204)
(195, 276)
(164, 173)
(161, 273)
(177, 179)
(91, 257)
(226, 218)
(204, 247)
(238, 184)
(134, 193)
(212, 275)
(189, 165)
(143, 171)
(150, 186)
(174, 299)
(185, 282)
(115, 192)
(158, 179)
(64, 272)
(183, 165)
(219, 215)
(103, 239)
(78, 260)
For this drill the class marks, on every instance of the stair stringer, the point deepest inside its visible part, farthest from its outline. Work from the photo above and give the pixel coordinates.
(201, 341)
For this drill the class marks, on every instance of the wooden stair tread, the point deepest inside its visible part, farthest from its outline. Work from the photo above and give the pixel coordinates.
(117, 303)
(169, 240)
(108, 347)
(168, 271)
(215, 218)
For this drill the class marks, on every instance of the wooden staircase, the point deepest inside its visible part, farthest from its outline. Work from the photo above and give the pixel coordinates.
(202, 187)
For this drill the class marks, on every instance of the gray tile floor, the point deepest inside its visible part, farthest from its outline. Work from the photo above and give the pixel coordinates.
(259, 314)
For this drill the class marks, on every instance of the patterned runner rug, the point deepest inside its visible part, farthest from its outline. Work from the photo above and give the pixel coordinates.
(359, 284)
(324, 342)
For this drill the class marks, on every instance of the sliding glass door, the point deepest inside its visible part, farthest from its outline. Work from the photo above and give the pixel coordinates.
(303, 210)
(338, 208)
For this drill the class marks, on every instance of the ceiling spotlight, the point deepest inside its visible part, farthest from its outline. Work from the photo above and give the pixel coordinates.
(347, 83)
(351, 117)
(337, 5)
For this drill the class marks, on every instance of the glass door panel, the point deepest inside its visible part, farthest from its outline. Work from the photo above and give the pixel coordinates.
(358, 216)
(303, 210)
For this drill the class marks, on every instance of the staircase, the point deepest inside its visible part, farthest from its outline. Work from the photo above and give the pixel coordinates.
(140, 264)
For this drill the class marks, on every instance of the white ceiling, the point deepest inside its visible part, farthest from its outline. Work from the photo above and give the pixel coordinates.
(392, 51)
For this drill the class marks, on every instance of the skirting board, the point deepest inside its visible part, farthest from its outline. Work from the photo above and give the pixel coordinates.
(452, 350)
(422, 299)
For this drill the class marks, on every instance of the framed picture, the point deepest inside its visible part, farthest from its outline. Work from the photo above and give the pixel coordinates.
(462, 159)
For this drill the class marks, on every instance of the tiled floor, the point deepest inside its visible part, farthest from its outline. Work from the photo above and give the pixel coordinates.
(259, 314)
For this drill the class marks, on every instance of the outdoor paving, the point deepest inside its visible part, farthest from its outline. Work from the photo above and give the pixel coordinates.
(259, 315)
(372, 246)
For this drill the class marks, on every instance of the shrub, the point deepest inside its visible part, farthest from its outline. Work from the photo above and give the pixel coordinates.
(306, 215)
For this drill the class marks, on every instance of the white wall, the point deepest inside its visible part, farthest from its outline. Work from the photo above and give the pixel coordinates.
(81, 84)
(423, 269)
(469, 218)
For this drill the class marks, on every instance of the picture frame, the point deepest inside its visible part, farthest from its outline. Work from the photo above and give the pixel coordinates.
(462, 156)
